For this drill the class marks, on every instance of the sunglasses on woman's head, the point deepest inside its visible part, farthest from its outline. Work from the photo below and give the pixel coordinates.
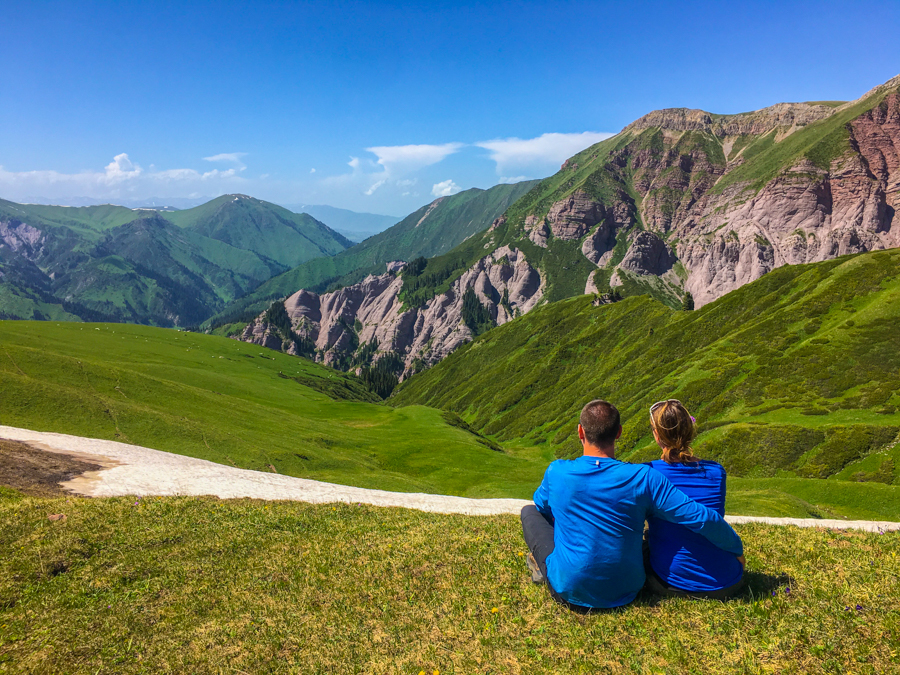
(658, 404)
(655, 406)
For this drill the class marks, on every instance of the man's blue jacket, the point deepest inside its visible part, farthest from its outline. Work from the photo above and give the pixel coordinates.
(599, 506)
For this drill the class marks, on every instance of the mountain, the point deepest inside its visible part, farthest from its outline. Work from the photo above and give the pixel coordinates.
(682, 205)
(355, 226)
(268, 230)
(795, 374)
(145, 266)
(431, 230)
(161, 203)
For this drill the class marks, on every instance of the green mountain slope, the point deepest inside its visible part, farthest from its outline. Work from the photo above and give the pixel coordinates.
(432, 230)
(111, 263)
(241, 405)
(796, 374)
(268, 230)
(685, 200)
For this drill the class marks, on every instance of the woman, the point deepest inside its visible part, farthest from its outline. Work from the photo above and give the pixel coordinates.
(682, 562)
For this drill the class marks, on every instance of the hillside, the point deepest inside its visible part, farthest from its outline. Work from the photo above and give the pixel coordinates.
(688, 201)
(682, 205)
(143, 266)
(432, 230)
(269, 230)
(796, 374)
(208, 586)
(236, 404)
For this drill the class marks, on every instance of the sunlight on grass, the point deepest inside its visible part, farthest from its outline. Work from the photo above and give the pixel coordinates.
(201, 585)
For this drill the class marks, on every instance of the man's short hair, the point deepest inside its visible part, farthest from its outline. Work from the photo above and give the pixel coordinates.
(600, 421)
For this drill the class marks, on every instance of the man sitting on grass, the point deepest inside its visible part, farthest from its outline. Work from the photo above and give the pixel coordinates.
(586, 528)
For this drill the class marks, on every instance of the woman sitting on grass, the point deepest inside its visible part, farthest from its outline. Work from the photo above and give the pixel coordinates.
(681, 562)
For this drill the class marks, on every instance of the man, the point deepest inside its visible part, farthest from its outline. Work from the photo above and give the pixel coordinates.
(586, 528)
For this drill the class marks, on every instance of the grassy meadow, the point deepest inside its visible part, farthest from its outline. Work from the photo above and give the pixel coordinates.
(206, 586)
(243, 405)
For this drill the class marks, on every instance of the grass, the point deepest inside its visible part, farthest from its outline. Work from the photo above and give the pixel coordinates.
(820, 142)
(794, 375)
(208, 586)
(242, 405)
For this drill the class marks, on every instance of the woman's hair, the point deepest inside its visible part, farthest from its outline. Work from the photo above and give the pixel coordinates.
(675, 428)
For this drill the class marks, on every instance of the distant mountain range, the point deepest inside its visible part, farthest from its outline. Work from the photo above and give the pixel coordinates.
(112, 263)
(355, 226)
(683, 205)
(162, 203)
(431, 230)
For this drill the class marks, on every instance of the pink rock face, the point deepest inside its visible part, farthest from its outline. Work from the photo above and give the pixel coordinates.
(573, 217)
(648, 254)
(504, 282)
(21, 238)
(807, 214)
(537, 230)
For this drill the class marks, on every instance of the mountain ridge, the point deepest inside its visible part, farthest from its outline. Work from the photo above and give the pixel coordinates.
(141, 265)
(681, 214)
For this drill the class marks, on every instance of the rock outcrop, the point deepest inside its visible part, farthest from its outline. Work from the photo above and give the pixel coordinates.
(341, 322)
(663, 177)
(22, 239)
(648, 254)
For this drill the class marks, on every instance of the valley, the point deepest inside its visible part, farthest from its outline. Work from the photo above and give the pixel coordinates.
(745, 264)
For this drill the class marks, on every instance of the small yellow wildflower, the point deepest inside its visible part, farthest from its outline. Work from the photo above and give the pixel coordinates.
(521, 555)
(494, 610)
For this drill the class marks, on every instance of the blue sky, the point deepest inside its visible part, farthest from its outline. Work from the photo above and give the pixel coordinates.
(381, 106)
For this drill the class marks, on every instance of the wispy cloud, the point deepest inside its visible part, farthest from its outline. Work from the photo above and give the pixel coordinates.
(121, 177)
(445, 188)
(232, 157)
(515, 153)
(401, 159)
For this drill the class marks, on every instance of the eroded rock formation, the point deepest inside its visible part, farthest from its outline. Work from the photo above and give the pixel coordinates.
(372, 311)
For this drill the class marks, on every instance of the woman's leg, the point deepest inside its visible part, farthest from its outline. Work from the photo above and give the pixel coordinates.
(538, 533)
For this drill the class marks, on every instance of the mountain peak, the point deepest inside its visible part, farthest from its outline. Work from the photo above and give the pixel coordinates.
(755, 122)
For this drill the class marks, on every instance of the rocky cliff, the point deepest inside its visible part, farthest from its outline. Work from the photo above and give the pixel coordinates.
(687, 201)
(369, 320)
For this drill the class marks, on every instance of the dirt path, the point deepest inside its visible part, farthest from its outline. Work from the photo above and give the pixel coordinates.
(98, 468)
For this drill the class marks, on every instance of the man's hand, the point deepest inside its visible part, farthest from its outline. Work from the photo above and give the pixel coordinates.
(743, 561)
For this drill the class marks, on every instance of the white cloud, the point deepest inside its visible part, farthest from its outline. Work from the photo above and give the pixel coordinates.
(313, 170)
(400, 159)
(121, 169)
(375, 186)
(353, 163)
(445, 188)
(407, 182)
(232, 157)
(545, 149)
(120, 178)
(512, 179)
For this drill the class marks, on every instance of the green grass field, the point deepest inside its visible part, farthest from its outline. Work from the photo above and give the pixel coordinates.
(242, 405)
(208, 586)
